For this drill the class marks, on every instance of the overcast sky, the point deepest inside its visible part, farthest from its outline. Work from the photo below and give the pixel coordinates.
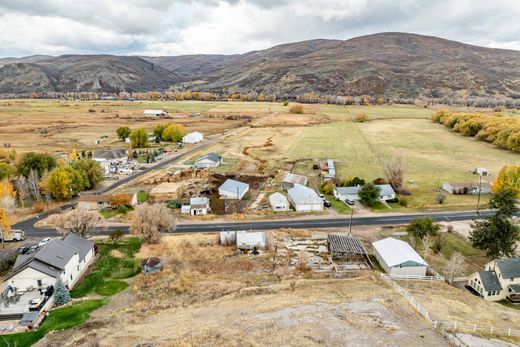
(163, 27)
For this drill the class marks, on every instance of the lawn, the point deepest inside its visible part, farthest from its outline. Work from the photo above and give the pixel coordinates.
(58, 319)
(109, 213)
(143, 197)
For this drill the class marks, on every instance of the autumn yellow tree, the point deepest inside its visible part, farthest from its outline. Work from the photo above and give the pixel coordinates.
(508, 177)
(7, 202)
(173, 132)
(73, 155)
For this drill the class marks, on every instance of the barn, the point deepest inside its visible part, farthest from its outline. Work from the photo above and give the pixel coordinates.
(397, 257)
(193, 137)
(304, 199)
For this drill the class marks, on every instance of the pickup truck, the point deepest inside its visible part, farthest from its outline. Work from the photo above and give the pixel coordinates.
(14, 236)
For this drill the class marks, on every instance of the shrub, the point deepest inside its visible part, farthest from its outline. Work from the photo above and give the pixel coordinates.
(440, 198)
(115, 235)
(38, 207)
(285, 103)
(123, 209)
(403, 201)
(119, 201)
(328, 188)
(174, 204)
(296, 109)
(361, 117)
(380, 180)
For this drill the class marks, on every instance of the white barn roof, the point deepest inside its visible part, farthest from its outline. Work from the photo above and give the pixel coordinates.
(154, 112)
(301, 195)
(395, 252)
(278, 199)
(232, 186)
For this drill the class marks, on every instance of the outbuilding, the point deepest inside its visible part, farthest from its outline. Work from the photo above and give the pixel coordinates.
(397, 257)
(233, 190)
(251, 240)
(193, 137)
(304, 199)
(279, 202)
(209, 160)
(157, 113)
(291, 179)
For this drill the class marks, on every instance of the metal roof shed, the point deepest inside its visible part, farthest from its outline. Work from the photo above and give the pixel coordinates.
(397, 257)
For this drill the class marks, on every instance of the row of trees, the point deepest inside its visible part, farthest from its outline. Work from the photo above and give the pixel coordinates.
(503, 131)
(139, 138)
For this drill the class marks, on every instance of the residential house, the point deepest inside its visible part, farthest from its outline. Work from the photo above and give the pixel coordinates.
(199, 205)
(397, 257)
(500, 280)
(93, 202)
(251, 240)
(232, 189)
(157, 113)
(466, 188)
(193, 137)
(208, 160)
(304, 199)
(109, 159)
(67, 259)
(386, 192)
(279, 202)
(291, 179)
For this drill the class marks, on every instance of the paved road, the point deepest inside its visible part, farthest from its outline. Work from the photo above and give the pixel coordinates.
(292, 223)
(28, 225)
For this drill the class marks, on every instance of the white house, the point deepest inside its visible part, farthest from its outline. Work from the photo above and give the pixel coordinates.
(466, 188)
(232, 189)
(304, 199)
(344, 193)
(397, 257)
(67, 259)
(251, 240)
(499, 281)
(110, 158)
(386, 192)
(157, 113)
(291, 179)
(208, 160)
(279, 202)
(199, 205)
(193, 137)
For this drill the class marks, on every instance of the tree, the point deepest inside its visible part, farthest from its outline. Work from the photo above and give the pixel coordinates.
(139, 138)
(92, 171)
(504, 200)
(123, 132)
(149, 220)
(77, 221)
(118, 201)
(394, 171)
(22, 190)
(158, 130)
(497, 236)
(33, 183)
(40, 162)
(65, 182)
(296, 109)
(509, 176)
(361, 117)
(420, 228)
(454, 267)
(61, 293)
(369, 194)
(115, 236)
(173, 132)
(380, 100)
(73, 156)
(427, 242)
(6, 170)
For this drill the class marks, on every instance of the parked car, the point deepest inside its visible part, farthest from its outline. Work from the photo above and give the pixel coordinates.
(44, 241)
(349, 202)
(326, 203)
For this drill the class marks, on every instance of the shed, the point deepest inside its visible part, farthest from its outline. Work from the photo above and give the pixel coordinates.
(209, 160)
(348, 248)
(279, 202)
(228, 238)
(151, 265)
(481, 171)
(251, 240)
(291, 179)
(397, 257)
(165, 191)
(29, 318)
(157, 113)
(232, 189)
(193, 137)
(304, 199)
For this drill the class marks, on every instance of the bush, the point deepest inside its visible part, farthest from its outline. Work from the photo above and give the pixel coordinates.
(440, 198)
(123, 209)
(361, 117)
(296, 109)
(403, 201)
(174, 204)
(380, 180)
(328, 188)
(38, 207)
(285, 103)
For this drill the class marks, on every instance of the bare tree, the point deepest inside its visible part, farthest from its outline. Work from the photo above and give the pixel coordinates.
(22, 189)
(77, 221)
(394, 171)
(33, 183)
(149, 220)
(427, 242)
(455, 266)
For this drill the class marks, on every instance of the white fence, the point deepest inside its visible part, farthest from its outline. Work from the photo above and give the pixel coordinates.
(474, 328)
(434, 276)
(408, 296)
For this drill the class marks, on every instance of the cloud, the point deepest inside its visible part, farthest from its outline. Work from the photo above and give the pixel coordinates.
(163, 27)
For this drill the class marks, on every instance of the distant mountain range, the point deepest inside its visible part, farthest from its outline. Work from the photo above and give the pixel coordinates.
(396, 65)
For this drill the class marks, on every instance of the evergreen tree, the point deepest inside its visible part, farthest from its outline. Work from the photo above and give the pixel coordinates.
(369, 194)
(61, 293)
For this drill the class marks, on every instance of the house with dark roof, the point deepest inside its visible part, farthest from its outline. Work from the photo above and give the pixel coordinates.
(67, 259)
(500, 280)
(209, 160)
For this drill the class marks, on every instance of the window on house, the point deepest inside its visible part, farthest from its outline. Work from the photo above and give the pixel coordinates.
(489, 294)
(71, 277)
(39, 283)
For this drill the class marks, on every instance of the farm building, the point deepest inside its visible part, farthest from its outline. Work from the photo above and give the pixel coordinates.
(67, 259)
(93, 202)
(397, 257)
(157, 113)
(291, 179)
(251, 240)
(193, 137)
(466, 188)
(499, 281)
(304, 199)
(328, 171)
(198, 206)
(228, 238)
(208, 160)
(348, 248)
(279, 202)
(165, 192)
(232, 189)
(346, 193)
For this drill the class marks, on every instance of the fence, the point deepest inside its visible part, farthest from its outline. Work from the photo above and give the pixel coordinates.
(474, 328)
(408, 296)
(434, 276)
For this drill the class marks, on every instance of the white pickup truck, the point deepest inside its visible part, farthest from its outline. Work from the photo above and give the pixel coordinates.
(14, 236)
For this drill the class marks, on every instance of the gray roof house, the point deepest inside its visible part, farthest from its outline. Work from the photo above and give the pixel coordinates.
(110, 154)
(209, 160)
(500, 280)
(304, 199)
(232, 189)
(386, 192)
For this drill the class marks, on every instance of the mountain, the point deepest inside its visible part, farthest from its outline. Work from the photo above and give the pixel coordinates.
(89, 73)
(396, 65)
